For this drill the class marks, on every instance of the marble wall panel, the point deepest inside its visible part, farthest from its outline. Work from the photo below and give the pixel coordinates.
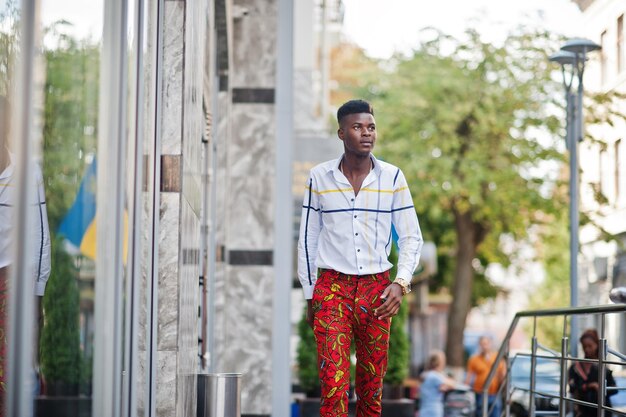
(194, 118)
(252, 145)
(251, 208)
(307, 121)
(248, 334)
(166, 383)
(146, 250)
(173, 49)
(187, 395)
(140, 383)
(251, 183)
(254, 41)
(219, 317)
(168, 271)
(222, 141)
(188, 298)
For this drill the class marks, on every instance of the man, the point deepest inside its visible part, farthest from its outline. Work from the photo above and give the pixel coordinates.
(349, 208)
(478, 368)
(39, 255)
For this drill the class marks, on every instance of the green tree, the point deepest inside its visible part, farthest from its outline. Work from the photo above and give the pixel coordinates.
(9, 43)
(473, 125)
(398, 362)
(69, 137)
(60, 337)
(398, 358)
(308, 374)
(554, 292)
(70, 118)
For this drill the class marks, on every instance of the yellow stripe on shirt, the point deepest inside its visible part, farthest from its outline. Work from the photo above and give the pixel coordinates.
(371, 190)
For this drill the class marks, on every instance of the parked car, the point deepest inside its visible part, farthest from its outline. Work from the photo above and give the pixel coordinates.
(618, 401)
(547, 380)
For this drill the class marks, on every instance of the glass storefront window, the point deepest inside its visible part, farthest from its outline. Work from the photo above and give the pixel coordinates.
(70, 112)
(59, 110)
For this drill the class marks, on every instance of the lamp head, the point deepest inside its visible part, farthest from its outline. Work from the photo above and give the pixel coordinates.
(563, 58)
(580, 46)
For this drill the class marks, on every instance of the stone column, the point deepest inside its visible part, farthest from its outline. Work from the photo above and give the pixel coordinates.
(182, 158)
(245, 317)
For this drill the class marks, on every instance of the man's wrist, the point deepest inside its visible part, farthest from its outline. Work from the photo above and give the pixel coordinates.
(404, 284)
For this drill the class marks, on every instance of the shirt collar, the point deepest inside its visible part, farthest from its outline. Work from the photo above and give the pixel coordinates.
(334, 167)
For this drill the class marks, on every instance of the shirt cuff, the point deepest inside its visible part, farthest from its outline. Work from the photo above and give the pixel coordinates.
(40, 288)
(308, 291)
(404, 274)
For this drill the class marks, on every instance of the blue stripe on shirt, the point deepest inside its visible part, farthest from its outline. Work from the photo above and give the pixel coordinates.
(306, 232)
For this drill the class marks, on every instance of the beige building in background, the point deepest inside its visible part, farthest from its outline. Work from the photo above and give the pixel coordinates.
(602, 263)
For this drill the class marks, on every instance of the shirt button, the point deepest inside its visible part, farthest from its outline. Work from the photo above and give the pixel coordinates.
(356, 234)
(358, 250)
(355, 216)
(360, 267)
(352, 199)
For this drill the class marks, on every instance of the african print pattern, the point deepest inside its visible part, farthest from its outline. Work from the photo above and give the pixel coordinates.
(344, 308)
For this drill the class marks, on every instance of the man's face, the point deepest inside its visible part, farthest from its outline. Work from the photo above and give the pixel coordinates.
(358, 133)
(485, 345)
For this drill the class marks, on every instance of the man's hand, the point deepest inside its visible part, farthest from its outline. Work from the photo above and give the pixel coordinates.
(393, 299)
(310, 316)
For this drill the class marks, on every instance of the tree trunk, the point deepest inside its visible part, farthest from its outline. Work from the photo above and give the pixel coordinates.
(469, 235)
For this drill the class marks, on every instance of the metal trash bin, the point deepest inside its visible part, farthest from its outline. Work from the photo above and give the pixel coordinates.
(219, 395)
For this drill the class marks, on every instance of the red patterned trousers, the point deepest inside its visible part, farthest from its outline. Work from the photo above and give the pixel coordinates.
(344, 309)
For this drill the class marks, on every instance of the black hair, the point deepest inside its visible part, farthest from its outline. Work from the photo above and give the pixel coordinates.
(353, 107)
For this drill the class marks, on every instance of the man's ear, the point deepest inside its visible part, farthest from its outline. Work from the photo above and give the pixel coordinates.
(340, 133)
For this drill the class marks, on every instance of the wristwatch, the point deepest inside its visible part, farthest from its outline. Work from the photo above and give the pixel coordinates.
(404, 284)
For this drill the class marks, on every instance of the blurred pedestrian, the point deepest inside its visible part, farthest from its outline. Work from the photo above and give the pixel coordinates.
(478, 368)
(583, 377)
(434, 384)
(350, 205)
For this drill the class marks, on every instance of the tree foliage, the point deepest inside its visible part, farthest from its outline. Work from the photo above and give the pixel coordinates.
(9, 43)
(69, 137)
(306, 357)
(60, 337)
(70, 118)
(554, 292)
(398, 357)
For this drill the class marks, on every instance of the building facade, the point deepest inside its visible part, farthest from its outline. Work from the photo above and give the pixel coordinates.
(156, 129)
(602, 263)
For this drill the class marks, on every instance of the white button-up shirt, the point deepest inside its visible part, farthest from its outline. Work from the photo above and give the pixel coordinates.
(352, 233)
(40, 249)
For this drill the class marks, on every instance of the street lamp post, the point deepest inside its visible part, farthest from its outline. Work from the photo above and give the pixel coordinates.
(572, 58)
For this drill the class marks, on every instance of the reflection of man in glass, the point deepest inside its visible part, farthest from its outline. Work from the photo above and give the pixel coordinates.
(40, 253)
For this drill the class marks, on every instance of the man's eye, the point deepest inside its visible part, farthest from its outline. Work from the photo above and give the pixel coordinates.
(372, 128)
(356, 128)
